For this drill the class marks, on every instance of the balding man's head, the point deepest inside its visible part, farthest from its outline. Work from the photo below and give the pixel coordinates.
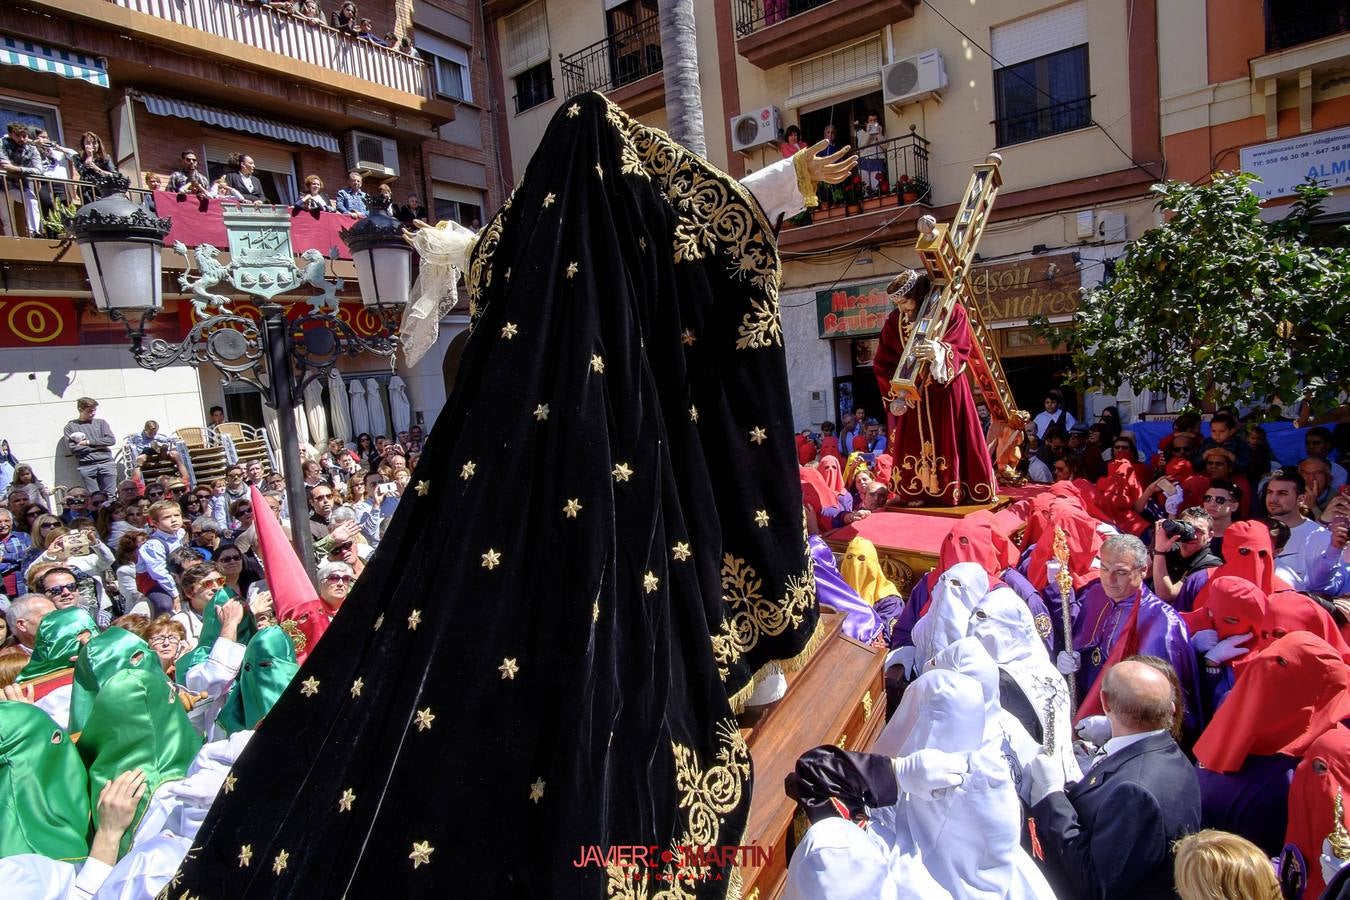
(1137, 697)
(24, 616)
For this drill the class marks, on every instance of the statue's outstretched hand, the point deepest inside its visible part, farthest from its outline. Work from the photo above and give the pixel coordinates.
(830, 169)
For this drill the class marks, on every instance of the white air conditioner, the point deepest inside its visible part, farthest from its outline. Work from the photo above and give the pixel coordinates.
(914, 78)
(371, 153)
(756, 129)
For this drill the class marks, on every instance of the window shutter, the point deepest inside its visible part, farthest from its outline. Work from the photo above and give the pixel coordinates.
(526, 39)
(1048, 32)
(847, 70)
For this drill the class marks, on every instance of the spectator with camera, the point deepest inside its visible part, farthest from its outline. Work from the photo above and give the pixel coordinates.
(1181, 547)
(188, 179)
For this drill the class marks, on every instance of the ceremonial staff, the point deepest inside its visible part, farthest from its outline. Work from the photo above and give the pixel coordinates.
(1065, 579)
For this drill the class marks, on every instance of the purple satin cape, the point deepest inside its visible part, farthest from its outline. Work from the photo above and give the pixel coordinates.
(861, 620)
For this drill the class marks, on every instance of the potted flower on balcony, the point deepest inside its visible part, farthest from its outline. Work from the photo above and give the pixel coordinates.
(923, 193)
(875, 197)
(905, 188)
(853, 194)
(834, 208)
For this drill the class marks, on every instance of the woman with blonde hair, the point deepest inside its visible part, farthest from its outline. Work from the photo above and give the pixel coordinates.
(1216, 865)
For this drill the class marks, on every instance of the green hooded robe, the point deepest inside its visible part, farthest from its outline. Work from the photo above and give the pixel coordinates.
(211, 631)
(102, 657)
(269, 664)
(44, 789)
(58, 642)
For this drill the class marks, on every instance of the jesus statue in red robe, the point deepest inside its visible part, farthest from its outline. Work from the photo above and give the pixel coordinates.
(940, 454)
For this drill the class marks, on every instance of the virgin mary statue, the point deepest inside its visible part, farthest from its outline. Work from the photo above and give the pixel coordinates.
(600, 554)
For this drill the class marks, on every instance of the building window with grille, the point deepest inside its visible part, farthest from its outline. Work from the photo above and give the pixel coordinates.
(1043, 96)
(534, 86)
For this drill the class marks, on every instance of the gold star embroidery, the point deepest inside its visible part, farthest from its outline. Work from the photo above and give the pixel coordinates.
(572, 269)
(650, 582)
(346, 800)
(230, 782)
(508, 668)
(424, 718)
(688, 337)
(595, 611)
(491, 559)
(245, 856)
(693, 414)
(422, 487)
(541, 412)
(758, 434)
(680, 551)
(310, 686)
(599, 170)
(466, 471)
(509, 330)
(537, 790)
(357, 685)
(572, 508)
(597, 364)
(549, 198)
(762, 518)
(622, 472)
(574, 110)
(642, 242)
(379, 620)
(414, 620)
(422, 850)
(473, 309)
(279, 864)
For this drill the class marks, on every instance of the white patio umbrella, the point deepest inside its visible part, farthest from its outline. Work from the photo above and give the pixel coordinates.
(316, 413)
(339, 413)
(400, 409)
(379, 419)
(360, 412)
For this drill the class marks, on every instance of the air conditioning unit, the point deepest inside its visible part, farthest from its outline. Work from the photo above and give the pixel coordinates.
(371, 153)
(756, 129)
(913, 79)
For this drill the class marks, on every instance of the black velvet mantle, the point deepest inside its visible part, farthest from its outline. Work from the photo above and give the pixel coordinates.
(602, 545)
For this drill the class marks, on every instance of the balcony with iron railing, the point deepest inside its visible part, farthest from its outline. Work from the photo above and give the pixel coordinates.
(1289, 24)
(304, 40)
(890, 190)
(621, 66)
(770, 33)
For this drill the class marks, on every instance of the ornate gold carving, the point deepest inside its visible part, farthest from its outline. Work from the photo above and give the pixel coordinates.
(867, 706)
(897, 572)
(750, 616)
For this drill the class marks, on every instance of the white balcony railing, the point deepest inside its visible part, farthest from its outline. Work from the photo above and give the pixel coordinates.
(287, 35)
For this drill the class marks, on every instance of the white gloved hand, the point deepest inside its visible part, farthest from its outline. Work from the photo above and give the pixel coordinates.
(926, 772)
(1096, 730)
(1229, 648)
(903, 657)
(1044, 775)
(1173, 502)
(1068, 662)
(1204, 641)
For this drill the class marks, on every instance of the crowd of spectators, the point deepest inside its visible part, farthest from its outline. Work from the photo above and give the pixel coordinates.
(346, 19)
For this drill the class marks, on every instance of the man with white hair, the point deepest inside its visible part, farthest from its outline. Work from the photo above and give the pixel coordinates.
(24, 615)
(1119, 617)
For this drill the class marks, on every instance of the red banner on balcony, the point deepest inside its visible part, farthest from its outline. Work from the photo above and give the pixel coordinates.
(198, 221)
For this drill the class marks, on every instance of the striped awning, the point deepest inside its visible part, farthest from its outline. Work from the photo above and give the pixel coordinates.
(41, 58)
(223, 118)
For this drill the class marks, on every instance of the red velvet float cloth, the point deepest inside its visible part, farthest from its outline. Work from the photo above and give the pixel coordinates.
(941, 458)
(198, 221)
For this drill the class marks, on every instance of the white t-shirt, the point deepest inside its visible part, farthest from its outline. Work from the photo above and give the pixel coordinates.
(1306, 542)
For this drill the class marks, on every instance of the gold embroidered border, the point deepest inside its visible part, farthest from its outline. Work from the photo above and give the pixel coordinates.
(750, 616)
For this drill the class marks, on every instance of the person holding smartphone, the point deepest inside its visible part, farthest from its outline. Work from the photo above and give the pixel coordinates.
(871, 164)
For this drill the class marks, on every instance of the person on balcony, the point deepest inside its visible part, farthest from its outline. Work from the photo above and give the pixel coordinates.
(242, 181)
(308, 9)
(94, 166)
(20, 157)
(792, 142)
(345, 18)
(871, 165)
(352, 200)
(313, 198)
(411, 212)
(364, 32)
(189, 179)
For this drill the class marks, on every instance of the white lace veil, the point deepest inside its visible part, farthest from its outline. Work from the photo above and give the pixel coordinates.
(444, 251)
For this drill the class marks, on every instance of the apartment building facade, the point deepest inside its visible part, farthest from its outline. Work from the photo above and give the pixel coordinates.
(157, 78)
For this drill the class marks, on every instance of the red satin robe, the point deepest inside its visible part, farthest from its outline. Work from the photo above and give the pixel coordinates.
(941, 458)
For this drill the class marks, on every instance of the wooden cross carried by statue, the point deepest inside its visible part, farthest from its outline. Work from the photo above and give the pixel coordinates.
(948, 253)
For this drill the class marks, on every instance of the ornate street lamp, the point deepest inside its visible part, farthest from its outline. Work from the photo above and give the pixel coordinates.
(122, 245)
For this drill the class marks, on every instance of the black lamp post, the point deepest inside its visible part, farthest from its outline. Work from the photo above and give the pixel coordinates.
(122, 245)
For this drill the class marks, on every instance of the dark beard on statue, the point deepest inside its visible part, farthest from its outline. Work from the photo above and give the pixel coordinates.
(601, 548)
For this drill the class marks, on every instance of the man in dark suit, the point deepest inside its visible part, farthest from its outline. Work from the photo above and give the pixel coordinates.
(245, 182)
(1110, 835)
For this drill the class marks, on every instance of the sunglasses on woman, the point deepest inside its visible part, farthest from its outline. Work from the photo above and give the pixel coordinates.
(339, 579)
(226, 560)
